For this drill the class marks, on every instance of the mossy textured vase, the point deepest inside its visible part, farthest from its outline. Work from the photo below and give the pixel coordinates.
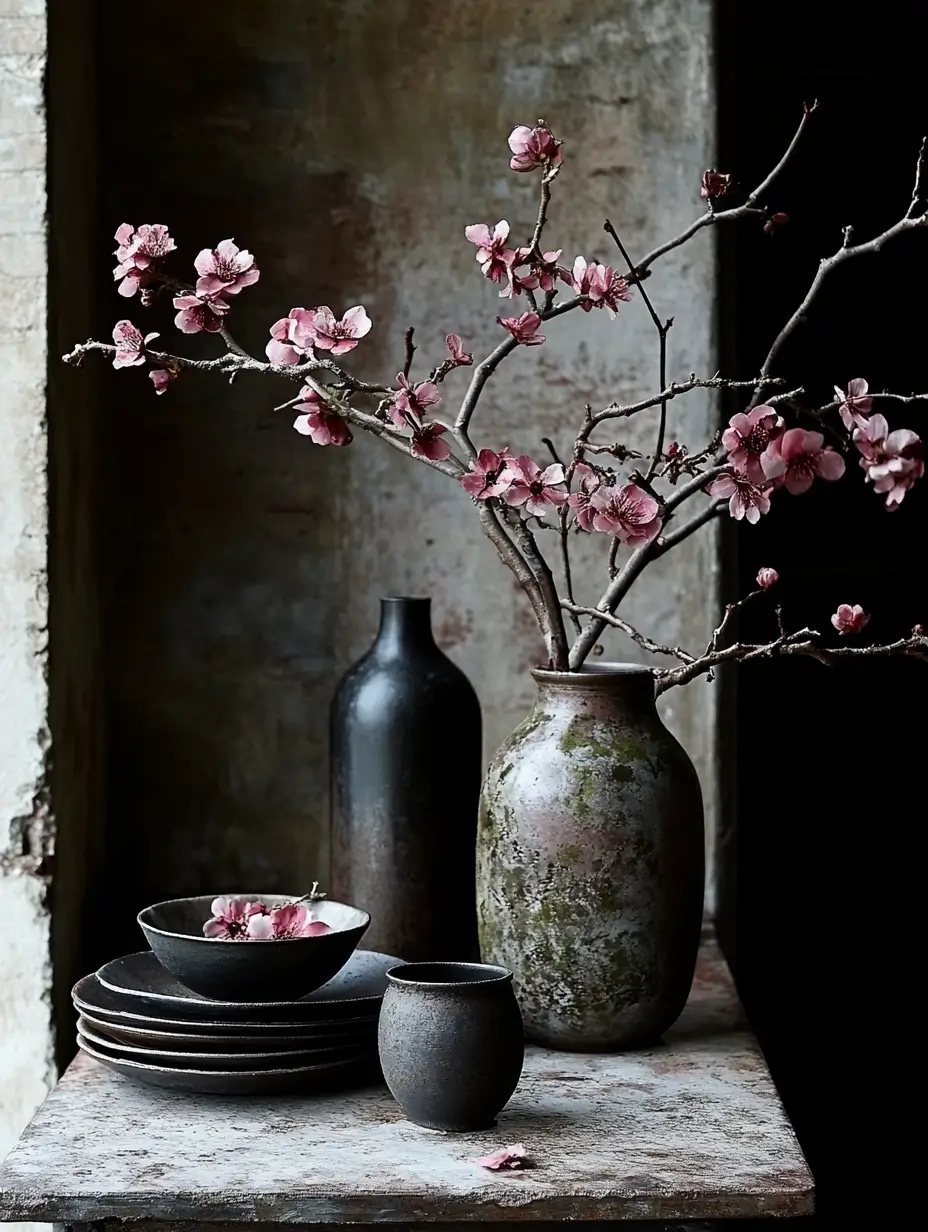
(590, 863)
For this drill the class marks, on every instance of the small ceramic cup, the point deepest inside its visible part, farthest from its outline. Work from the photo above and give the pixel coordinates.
(451, 1043)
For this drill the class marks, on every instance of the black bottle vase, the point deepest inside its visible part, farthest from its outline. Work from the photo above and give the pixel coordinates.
(406, 770)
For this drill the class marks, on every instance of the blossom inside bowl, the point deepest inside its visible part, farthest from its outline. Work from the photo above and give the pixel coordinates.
(242, 919)
(312, 941)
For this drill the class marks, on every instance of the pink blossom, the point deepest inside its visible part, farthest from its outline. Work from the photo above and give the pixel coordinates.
(893, 461)
(456, 353)
(427, 442)
(139, 254)
(508, 1157)
(674, 449)
(282, 349)
(533, 148)
(412, 400)
(230, 917)
(296, 920)
(199, 313)
(746, 499)
(856, 403)
(493, 257)
(534, 489)
(796, 457)
(225, 269)
(544, 271)
(714, 184)
(489, 475)
(746, 438)
(161, 378)
(342, 336)
(601, 285)
(130, 345)
(524, 328)
(850, 619)
(322, 426)
(518, 284)
(767, 577)
(776, 222)
(627, 512)
(580, 500)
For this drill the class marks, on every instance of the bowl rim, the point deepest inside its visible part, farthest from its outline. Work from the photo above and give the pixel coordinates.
(147, 927)
(495, 974)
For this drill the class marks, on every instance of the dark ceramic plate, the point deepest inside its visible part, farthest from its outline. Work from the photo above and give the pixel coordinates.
(357, 991)
(90, 997)
(321, 1078)
(183, 1039)
(218, 1060)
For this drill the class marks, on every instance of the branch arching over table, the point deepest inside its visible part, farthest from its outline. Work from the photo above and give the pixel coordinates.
(514, 494)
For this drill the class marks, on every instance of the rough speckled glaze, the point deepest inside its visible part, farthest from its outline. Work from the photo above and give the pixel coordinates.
(590, 862)
(451, 1043)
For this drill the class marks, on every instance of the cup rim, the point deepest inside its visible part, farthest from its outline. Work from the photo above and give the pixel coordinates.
(148, 927)
(492, 975)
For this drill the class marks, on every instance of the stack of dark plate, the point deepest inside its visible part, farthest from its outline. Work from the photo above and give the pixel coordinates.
(137, 1019)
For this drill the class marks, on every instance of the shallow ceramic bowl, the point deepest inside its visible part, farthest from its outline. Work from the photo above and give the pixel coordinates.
(250, 970)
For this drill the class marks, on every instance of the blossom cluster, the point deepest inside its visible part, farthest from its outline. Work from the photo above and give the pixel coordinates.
(241, 919)
(598, 504)
(763, 455)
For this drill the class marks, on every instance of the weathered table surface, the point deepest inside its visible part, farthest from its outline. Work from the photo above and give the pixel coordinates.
(689, 1130)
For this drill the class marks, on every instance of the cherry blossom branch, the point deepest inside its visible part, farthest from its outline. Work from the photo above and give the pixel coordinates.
(485, 369)
(565, 545)
(552, 623)
(235, 361)
(511, 556)
(748, 208)
(620, 585)
(230, 361)
(663, 328)
(803, 642)
(616, 622)
(910, 221)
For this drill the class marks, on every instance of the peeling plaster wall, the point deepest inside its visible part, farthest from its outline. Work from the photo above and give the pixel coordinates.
(347, 143)
(26, 1036)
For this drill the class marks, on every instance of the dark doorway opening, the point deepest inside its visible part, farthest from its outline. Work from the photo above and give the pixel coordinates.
(823, 883)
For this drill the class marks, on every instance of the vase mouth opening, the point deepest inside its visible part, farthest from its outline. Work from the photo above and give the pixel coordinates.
(447, 975)
(417, 599)
(594, 673)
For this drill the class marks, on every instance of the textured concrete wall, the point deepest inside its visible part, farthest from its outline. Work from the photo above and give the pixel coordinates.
(347, 143)
(50, 718)
(26, 1036)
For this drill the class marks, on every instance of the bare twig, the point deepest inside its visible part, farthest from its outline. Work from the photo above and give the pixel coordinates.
(675, 389)
(909, 222)
(803, 642)
(664, 544)
(663, 328)
(748, 209)
(411, 349)
(616, 622)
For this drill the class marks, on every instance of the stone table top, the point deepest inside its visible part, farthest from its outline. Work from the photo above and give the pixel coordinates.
(691, 1129)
